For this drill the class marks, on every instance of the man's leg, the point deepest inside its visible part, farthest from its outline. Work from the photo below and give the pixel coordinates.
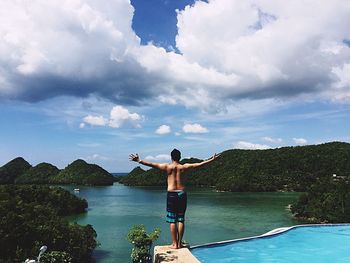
(174, 235)
(181, 216)
(181, 230)
(171, 217)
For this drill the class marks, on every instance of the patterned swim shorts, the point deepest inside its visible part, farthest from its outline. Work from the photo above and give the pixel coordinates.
(176, 206)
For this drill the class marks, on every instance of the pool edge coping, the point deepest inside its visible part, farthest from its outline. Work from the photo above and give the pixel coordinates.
(274, 232)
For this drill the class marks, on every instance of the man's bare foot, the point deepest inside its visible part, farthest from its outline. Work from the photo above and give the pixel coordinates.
(182, 244)
(173, 246)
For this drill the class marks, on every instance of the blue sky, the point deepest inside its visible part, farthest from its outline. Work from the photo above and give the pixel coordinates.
(100, 81)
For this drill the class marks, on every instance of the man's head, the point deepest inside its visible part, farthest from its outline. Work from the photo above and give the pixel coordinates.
(175, 155)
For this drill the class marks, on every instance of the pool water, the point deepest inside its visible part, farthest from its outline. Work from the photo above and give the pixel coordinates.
(323, 243)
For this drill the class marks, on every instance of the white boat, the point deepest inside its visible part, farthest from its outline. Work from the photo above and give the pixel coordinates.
(76, 189)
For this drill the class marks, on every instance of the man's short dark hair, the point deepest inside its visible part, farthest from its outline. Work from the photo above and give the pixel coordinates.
(175, 155)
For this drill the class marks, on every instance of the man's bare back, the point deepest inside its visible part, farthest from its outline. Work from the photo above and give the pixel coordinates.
(174, 172)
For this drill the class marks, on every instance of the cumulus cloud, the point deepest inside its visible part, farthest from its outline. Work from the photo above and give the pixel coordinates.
(272, 140)
(163, 129)
(194, 128)
(300, 141)
(52, 48)
(250, 146)
(119, 116)
(276, 50)
(271, 50)
(341, 88)
(158, 158)
(94, 121)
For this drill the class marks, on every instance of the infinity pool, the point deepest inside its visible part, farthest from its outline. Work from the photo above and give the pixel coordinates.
(316, 243)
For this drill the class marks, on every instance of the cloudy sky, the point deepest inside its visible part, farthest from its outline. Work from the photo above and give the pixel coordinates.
(99, 80)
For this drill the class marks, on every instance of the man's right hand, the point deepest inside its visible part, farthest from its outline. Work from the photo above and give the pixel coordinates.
(134, 157)
(215, 156)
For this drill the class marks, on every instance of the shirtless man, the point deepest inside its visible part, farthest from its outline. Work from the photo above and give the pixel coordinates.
(177, 197)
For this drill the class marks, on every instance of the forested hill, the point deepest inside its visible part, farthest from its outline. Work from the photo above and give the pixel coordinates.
(81, 172)
(14, 168)
(286, 168)
(19, 171)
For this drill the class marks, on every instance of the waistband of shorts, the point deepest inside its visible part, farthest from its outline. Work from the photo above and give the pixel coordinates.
(179, 192)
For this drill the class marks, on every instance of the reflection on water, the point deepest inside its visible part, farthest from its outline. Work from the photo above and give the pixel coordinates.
(211, 216)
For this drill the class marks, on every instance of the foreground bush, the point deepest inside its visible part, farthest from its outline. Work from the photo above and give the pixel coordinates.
(56, 257)
(142, 242)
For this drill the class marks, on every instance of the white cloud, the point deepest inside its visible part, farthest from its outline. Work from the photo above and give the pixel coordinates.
(341, 88)
(158, 158)
(120, 115)
(275, 49)
(250, 146)
(300, 141)
(184, 82)
(271, 50)
(95, 120)
(163, 129)
(343, 74)
(194, 128)
(81, 125)
(272, 140)
(68, 47)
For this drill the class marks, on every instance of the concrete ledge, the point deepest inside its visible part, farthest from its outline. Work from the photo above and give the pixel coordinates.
(166, 254)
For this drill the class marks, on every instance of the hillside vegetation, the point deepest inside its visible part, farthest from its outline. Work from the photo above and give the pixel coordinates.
(32, 216)
(326, 201)
(286, 168)
(39, 174)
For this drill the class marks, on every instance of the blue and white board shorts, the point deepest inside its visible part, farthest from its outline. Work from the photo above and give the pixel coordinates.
(176, 206)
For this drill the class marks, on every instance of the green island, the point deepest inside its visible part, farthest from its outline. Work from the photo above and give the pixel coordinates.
(79, 172)
(32, 216)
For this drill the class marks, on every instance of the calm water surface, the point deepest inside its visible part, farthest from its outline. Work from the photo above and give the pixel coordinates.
(211, 216)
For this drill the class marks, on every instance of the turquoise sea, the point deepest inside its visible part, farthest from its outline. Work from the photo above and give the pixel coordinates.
(211, 216)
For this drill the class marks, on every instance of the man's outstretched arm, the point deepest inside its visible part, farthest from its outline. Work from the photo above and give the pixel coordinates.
(136, 158)
(196, 165)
